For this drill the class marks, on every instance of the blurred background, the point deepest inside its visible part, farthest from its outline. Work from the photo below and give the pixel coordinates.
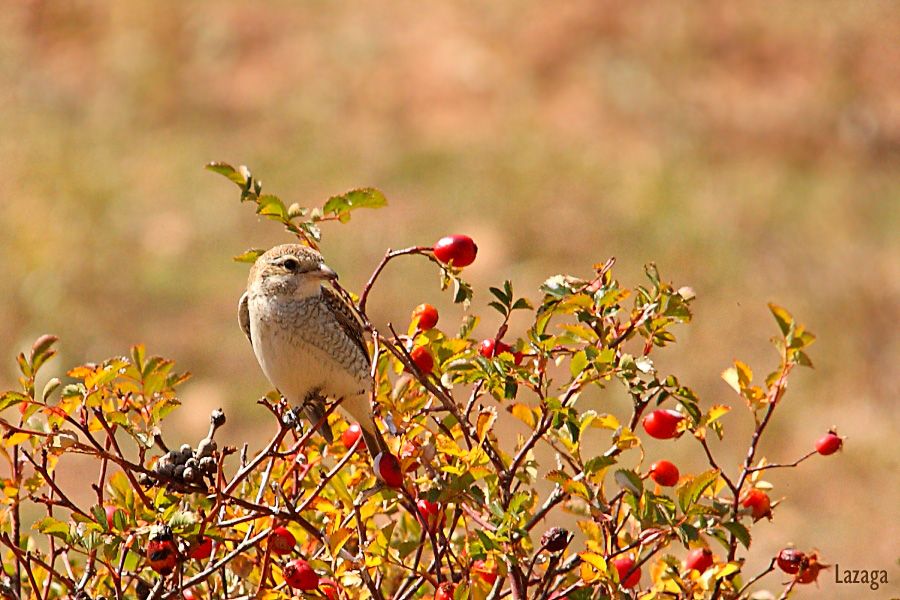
(752, 151)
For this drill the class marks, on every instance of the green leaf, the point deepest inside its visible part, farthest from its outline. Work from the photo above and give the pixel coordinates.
(462, 292)
(598, 463)
(360, 198)
(54, 527)
(652, 273)
(182, 519)
(8, 399)
(248, 256)
(578, 363)
(630, 481)
(271, 206)
(691, 490)
(500, 308)
(228, 171)
(501, 295)
(42, 351)
(522, 303)
(741, 533)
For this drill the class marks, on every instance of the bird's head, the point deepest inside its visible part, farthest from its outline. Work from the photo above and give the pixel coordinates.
(290, 269)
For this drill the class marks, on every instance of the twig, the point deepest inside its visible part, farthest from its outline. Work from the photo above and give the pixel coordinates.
(783, 466)
(756, 578)
(388, 256)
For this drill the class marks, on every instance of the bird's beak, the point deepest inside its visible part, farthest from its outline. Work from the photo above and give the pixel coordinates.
(325, 272)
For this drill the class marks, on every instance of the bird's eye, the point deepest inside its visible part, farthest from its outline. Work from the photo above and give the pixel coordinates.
(291, 264)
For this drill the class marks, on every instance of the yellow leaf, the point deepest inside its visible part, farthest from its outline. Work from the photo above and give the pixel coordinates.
(484, 423)
(727, 569)
(731, 377)
(524, 414)
(745, 374)
(605, 421)
(17, 438)
(448, 447)
(338, 539)
(717, 411)
(595, 560)
(591, 529)
(373, 561)
(588, 574)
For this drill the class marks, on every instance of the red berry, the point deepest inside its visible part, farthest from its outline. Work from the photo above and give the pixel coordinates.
(430, 513)
(387, 469)
(623, 565)
(662, 423)
(487, 572)
(700, 559)
(201, 549)
(759, 504)
(426, 315)
(664, 473)
(810, 573)
(329, 588)
(351, 434)
(791, 560)
(492, 347)
(445, 591)
(281, 541)
(422, 359)
(299, 575)
(161, 552)
(829, 443)
(111, 516)
(456, 250)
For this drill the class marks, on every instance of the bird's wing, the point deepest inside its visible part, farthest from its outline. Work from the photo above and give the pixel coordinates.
(244, 315)
(346, 319)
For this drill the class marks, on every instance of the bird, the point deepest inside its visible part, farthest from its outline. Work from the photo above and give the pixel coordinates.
(307, 340)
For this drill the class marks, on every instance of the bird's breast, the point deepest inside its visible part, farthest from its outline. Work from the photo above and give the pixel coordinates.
(301, 348)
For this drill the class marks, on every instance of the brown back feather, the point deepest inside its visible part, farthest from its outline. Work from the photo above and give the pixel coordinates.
(346, 319)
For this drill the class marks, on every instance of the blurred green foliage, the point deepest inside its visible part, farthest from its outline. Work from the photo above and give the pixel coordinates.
(749, 150)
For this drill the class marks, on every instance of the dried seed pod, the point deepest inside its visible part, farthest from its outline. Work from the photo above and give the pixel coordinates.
(185, 453)
(208, 465)
(555, 539)
(206, 447)
(217, 418)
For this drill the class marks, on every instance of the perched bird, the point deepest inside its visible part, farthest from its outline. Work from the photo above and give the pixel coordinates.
(308, 342)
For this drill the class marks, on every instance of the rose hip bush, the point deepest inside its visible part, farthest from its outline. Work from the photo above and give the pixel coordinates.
(457, 510)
